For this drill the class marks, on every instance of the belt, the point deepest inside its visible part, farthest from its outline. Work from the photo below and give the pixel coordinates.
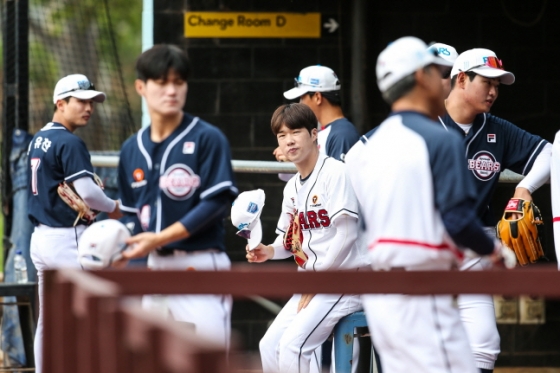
(171, 252)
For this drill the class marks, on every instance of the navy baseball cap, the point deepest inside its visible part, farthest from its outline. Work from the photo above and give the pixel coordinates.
(79, 86)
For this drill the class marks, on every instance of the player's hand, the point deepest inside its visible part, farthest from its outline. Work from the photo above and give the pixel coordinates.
(280, 157)
(304, 301)
(141, 245)
(116, 213)
(521, 193)
(260, 254)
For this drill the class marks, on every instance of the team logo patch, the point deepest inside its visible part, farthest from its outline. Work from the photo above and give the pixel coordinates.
(491, 137)
(253, 208)
(138, 174)
(145, 217)
(188, 147)
(179, 182)
(314, 199)
(484, 165)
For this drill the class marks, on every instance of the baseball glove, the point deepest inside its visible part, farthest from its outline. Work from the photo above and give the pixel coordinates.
(522, 234)
(68, 194)
(293, 239)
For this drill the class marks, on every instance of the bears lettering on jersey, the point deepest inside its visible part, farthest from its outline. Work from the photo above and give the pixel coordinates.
(179, 182)
(314, 219)
(484, 165)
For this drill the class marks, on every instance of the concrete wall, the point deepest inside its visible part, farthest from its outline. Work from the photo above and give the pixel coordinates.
(237, 84)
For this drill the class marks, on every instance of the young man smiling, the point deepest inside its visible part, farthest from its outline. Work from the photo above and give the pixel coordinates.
(492, 145)
(320, 207)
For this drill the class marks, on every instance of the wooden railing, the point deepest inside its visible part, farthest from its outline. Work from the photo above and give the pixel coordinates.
(90, 327)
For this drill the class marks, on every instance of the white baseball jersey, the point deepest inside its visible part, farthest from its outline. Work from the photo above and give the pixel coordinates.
(398, 193)
(555, 191)
(405, 176)
(320, 201)
(325, 196)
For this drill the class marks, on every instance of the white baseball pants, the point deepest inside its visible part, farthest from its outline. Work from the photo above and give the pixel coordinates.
(291, 340)
(210, 314)
(421, 334)
(51, 248)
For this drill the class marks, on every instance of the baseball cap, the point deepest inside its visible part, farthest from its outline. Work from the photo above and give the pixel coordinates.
(245, 215)
(483, 62)
(313, 79)
(447, 52)
(403, 57)
(79, 86)
(102, 243)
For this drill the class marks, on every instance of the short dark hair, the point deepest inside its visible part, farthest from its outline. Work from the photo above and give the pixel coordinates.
(67, 99)
(402, 87)
(294, 116)
(156, 62)
(470, 74)
(333, 97)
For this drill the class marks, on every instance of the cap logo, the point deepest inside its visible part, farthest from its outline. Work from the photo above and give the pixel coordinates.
(252, 208)
(242, 226)
(83, 84)
(444, 51)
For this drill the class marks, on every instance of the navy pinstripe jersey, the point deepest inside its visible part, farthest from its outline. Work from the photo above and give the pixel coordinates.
(162, 182)
(492, 145)
(55, 155)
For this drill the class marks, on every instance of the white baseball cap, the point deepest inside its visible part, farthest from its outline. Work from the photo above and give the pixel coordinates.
(245, 215)
(483, 62)
(447, 52)
(79, 86)
(313, 79)
(102, 243)
(403, 57)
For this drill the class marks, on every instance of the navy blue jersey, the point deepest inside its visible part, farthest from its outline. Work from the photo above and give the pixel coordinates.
(162, 182)
(55, 155)
(337, 138)
(492, 145)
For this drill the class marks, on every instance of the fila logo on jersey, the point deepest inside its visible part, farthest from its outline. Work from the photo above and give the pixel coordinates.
(138, 176)
(179, 182)
(491, 137)
(314, 220)
(484, 165)
(188, 147)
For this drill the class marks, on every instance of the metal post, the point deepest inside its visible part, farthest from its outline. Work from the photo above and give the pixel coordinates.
(358, 90)
(147, 43)
(16, 92)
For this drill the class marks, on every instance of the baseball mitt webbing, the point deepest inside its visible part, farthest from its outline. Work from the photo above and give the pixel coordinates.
(521, 232)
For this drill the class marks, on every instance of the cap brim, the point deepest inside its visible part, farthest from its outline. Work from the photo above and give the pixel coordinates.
(441, 61)
(506, 77)
(256, 235)
(296, 92)
(84, 95)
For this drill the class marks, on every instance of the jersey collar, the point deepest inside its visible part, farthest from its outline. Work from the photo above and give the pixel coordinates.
(449, 123)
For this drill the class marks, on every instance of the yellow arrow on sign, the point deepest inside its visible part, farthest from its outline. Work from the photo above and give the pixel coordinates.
(252, 25)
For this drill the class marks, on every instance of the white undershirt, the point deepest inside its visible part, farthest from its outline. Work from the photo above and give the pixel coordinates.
(93, 195)
(465, 127)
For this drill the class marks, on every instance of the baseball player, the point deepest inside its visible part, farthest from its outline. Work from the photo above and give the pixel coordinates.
(448, 53)
(176, 181)
(319, 227)
(57, 155)
(418, 230)
(319, 88)
(492, 145)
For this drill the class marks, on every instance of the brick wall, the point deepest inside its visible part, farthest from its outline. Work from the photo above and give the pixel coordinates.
(237, 84)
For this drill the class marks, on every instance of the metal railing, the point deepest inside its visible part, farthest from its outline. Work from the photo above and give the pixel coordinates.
(268, 167)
